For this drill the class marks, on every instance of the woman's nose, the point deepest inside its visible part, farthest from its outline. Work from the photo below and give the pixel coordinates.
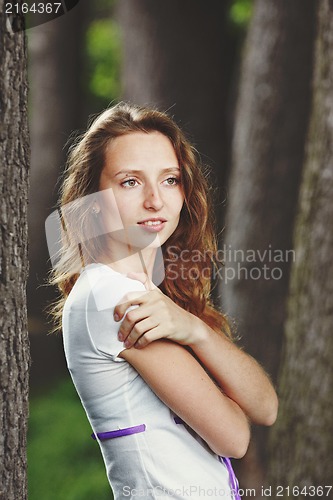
(153, 198)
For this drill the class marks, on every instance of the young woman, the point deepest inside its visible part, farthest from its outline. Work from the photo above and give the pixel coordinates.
(168, 394)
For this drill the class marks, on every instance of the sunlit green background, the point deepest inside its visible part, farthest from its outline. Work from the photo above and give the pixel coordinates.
(64, 462)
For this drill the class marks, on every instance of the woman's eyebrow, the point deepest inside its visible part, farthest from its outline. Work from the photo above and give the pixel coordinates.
(138, 171)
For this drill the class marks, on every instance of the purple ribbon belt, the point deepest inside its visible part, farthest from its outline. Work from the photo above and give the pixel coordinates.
(119, 432)
(233, 482)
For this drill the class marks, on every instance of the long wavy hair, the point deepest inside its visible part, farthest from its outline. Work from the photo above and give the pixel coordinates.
(187, 281)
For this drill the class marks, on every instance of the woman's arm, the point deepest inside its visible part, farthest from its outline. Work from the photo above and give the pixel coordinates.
(240, 377)
(184, 386)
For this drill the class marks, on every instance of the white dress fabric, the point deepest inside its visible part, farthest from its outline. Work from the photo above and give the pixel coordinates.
(167, 460)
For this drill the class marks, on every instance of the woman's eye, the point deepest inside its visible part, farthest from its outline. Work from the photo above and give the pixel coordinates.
(129, 183)
(172, 181)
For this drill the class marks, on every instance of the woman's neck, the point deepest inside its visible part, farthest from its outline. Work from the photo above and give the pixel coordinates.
(141, 261)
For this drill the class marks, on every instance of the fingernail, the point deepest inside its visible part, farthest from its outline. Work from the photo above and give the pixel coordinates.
(116, 317)
(126, 343)
(120, 337)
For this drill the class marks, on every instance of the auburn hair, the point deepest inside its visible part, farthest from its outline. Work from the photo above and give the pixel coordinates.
(187, 281)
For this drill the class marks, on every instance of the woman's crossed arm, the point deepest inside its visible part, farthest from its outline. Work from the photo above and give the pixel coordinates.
(239, 376)
(183, 385)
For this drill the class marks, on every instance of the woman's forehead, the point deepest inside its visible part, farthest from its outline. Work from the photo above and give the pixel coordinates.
(139, 151)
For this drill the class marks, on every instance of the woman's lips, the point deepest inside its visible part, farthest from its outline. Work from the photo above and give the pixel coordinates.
(153, 225)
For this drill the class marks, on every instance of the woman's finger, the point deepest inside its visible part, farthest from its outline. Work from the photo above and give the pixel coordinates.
(148, 337)
(140, 330)
(129, 299)
(133, 316)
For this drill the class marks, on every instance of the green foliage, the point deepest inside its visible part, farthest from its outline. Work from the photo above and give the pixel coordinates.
(63, 461)
(103, 50)
(240, 12)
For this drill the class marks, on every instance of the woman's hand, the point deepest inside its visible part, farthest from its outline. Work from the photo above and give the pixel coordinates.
(156, 317)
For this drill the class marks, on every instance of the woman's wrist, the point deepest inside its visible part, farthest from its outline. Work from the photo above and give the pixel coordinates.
(200, 333)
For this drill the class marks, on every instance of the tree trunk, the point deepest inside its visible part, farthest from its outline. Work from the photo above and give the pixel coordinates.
(302, 441)
(268, 149)
(178, 55)
(14, 345)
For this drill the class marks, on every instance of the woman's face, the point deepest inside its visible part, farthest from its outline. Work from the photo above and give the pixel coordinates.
(146, 197)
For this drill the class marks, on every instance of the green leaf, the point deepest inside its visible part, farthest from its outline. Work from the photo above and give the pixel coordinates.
(240, 12)
(104, 54)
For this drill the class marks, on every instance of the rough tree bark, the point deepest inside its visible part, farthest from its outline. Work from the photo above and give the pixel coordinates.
(302, 440)
(14, 345)
(268, 148)
(178, 55)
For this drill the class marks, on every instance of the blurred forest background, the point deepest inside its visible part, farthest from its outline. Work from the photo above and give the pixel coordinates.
(251, 82)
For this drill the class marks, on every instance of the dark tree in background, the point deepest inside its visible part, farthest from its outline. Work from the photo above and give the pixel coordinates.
(55, 50)
(14, 345)
(267, 158)
(302, 439)
(178, 55)
(56, 110)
